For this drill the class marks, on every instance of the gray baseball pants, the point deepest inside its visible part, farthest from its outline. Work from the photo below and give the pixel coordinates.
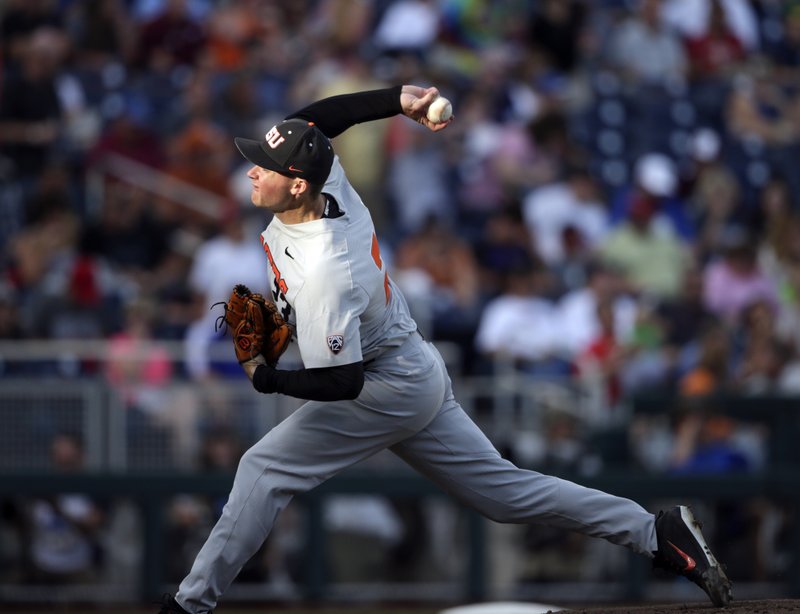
(406, 405)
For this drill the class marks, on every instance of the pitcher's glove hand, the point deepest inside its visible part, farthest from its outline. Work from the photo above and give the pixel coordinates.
(256, 325)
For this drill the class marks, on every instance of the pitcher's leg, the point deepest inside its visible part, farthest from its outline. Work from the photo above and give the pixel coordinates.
(314, 443)
(453, 452)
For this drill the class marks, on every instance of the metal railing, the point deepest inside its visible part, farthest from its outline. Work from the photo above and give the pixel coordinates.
(184, 194)
(134, 425)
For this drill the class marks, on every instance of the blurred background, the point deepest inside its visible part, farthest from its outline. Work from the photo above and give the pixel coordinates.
(605, 245)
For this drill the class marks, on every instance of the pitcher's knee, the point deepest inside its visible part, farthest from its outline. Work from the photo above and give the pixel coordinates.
(276, 476)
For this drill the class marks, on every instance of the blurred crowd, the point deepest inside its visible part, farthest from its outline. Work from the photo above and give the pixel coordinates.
(615, 205)
(615, 202)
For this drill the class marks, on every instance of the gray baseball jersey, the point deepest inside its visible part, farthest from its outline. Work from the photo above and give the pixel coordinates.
(329, 279)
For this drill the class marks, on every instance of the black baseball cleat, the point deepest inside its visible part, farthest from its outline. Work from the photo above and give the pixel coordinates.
(170, 606)
(682, 549)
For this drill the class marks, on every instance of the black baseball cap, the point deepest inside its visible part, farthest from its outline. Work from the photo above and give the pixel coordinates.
(294, 147)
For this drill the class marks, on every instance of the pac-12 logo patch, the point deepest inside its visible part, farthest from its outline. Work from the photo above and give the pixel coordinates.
(335, 343)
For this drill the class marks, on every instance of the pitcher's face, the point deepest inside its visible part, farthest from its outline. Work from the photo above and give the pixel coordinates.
(271, 190)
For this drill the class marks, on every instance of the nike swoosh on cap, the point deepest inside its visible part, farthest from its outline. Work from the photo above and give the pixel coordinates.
(295, 170)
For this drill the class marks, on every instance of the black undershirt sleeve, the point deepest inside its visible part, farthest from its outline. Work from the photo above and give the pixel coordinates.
(336, 114)
(323, 384)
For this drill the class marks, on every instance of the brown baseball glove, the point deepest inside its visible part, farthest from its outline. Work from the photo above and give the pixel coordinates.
(256, 326)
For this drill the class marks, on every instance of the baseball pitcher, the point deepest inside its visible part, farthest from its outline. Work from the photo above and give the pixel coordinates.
(370, 380)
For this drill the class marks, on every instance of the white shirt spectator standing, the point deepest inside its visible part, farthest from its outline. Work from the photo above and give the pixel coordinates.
(220, 263)
(518, 324)
(552, 208)
(577, 322)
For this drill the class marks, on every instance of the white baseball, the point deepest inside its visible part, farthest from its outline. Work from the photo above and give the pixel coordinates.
(440, 110)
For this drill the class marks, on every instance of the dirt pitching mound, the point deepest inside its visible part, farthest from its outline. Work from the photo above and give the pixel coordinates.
(768, 606)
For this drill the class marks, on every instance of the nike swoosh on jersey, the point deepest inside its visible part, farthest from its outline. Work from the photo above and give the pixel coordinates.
(286, 251)
(690, 562)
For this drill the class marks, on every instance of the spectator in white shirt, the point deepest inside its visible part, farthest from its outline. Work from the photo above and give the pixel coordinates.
(577, 324)
(518, 325)
(574, 202)
(223, 261)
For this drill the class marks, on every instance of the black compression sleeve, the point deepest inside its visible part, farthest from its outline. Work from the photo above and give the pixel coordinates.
(325, 384)
(336, 114)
